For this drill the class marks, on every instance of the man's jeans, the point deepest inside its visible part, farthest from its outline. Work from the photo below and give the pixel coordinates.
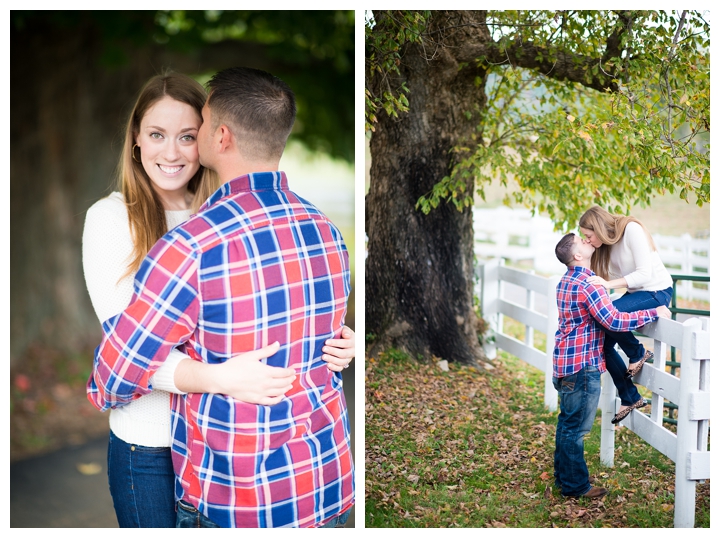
(630, 302)
(189, 517)
(579, 397)
(338, 521)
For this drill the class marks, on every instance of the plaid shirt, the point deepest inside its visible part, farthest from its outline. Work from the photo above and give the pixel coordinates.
(579, 340)
(256, 265)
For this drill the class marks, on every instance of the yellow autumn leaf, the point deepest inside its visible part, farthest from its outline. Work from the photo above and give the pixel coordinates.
(570, 118)
(89, 468)
(585, 136)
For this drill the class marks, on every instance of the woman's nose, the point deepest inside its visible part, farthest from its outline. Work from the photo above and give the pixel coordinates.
(171, 150)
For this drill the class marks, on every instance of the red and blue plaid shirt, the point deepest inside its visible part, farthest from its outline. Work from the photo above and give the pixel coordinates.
(579, 339)
(257, 264)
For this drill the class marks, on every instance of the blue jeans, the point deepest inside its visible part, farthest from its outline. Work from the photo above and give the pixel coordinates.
(142, 483)
(189, 517)
(338, 521)
(579, 397)
(630, 302)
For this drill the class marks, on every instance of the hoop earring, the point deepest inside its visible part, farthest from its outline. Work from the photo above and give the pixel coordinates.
(133, 153)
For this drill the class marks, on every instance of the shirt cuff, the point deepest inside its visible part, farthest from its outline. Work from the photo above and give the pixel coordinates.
(164, 377)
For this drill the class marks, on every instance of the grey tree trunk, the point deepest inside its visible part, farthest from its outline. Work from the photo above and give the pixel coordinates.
(419, 270)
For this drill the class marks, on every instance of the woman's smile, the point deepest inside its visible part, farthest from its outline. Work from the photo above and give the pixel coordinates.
(168, 149)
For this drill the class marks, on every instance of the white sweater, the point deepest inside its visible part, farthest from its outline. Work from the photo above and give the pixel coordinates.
(106, 249)
(633, 259)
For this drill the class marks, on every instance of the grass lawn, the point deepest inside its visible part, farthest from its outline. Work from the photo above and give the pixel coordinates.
(474, 448)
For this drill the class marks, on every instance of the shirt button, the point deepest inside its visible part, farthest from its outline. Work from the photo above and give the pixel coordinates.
(132, 448)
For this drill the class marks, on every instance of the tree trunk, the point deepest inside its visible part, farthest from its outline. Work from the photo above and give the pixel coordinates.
(66, 123)
(419, 269)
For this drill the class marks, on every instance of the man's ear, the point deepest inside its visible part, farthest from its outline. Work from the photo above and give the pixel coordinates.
(577, 256)
(225, 138)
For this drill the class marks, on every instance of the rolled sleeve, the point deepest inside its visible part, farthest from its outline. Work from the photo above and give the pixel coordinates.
(162, 314)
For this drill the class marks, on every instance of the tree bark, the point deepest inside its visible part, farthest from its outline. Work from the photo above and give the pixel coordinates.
(419, 269)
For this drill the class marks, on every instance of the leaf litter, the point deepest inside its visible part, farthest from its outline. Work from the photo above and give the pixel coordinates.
(472, 448)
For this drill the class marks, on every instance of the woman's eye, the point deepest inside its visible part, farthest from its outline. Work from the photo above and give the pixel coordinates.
(156, 136)
(187, 138)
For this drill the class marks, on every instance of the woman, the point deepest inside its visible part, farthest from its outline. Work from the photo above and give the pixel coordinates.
(625, 257)
(161, 184)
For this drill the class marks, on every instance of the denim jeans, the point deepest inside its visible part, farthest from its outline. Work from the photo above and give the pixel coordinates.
(630, 302)
(189, 517)
(337, 522)
(579, 397)
(142, 483)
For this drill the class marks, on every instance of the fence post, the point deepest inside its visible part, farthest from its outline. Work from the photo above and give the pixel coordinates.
(489, 303)
(687, 428)
(658, 402)
(608, 404)
(551, 400)
(687, 266)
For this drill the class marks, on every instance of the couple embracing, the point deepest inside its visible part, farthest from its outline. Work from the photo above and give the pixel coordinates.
(224, 296)
(617, 252)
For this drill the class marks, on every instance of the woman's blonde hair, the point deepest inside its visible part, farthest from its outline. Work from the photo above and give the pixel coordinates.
(609, 229)
(146, 213)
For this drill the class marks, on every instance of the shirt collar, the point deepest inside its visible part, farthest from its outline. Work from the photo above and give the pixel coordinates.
(258, 181)
(575, 269)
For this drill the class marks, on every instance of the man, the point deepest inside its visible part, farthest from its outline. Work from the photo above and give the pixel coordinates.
(256, 265)
(578, 360)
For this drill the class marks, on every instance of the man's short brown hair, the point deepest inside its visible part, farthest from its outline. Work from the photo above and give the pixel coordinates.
(258, 107)
(565, 249)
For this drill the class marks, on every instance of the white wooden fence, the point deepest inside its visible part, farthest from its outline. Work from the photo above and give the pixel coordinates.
(691, 392)
(493, 277)
(516, 235)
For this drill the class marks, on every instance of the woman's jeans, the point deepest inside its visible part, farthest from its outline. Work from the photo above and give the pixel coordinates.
(579, 397)
(142, 483)
(630, 302)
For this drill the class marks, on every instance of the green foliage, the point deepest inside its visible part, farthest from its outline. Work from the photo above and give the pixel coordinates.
(313, 51)
(568, 145)
(383, 57)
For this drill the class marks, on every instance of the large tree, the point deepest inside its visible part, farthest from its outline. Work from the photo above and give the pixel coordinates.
(576, 107)
(74, 76)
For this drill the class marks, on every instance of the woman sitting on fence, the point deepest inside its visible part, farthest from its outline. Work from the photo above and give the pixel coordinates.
(626, 257)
